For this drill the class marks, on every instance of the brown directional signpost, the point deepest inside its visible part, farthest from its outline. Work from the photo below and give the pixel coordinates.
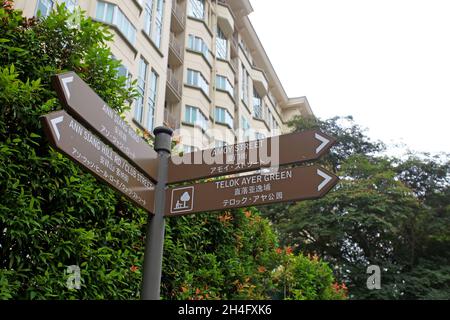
(112, 151)
(301, 183)
(79, 144)
(87, 107)
(249, 156)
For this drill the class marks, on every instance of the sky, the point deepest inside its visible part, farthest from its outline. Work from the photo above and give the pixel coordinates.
(385, 62)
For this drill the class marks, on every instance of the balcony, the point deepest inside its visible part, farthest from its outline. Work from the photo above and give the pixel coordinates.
(260, 81)
(176, 51)
(170, 120)
(225, 18)
(178, 21)
(173, 94)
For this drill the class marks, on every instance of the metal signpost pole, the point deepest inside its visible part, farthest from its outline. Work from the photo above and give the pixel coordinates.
(154, 245)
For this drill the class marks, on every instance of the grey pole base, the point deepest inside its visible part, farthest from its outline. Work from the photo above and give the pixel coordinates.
(154, 243)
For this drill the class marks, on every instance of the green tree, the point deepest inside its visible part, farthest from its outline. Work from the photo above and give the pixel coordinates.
(385, 211)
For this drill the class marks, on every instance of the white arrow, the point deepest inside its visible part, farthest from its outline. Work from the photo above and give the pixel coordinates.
(324, 143)
(55, 122)
(326, 180)
(66, 82)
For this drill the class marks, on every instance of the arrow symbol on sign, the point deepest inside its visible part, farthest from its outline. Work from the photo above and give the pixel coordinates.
(66, 82)
(326, 180)
(324, 143)
(55, 123)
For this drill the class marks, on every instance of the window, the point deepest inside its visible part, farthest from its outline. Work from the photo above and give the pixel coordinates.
(245, 127)
(70, 4)
(139, 108)
(196, 79)
(257, 105)
(222, 83)
(194, 116)
(105, 12)
(197, 44)
(197, 9)
(159, 22)
(224, 117)
(221, 45)
(152, 100)
(244, 83)
(148, 17)
(110, 13)
(44, 7)
(123, 71)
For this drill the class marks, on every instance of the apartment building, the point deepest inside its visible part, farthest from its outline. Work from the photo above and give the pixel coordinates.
(200, 66)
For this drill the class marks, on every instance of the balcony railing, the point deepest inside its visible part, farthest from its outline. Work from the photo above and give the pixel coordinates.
(179, 15)
(176, 47)
(170, 120)
(173, 83)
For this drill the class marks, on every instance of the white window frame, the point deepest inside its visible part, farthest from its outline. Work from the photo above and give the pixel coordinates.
(118, 19)
(48, 4)
(257, 108)
(222, 83)
(196, 117)
(197, 9)
(152, 97)
(195, 78)
(197, 44)
(223, 116)
(141, 87)
(221, 45)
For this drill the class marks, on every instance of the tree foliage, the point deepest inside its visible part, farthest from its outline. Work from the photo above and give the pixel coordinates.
(386, 211)
(54, 215)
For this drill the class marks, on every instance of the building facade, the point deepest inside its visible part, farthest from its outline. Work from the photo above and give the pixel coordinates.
(200, 68)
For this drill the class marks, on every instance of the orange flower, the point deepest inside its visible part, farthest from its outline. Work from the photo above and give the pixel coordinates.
(248, 214)
(197, 291)
(226, 217)
(278, 250)
(261, 269)
(134, 268)
(289, 250)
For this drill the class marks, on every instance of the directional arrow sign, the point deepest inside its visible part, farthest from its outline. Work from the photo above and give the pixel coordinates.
(71, 138)
(293, 184)
(249, 156)
(87, 107)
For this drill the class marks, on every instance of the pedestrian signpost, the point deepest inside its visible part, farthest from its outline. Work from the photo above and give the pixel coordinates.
(293, 184)
(112, 151)
(249, 156)
(87, 107)
(79, 144)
